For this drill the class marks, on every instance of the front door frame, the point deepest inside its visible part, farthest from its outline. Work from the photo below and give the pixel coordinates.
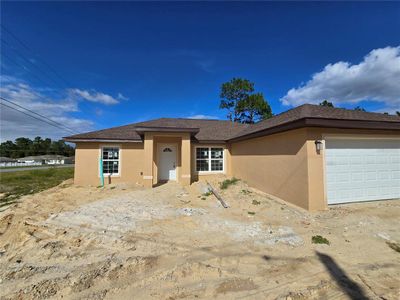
(159, 146)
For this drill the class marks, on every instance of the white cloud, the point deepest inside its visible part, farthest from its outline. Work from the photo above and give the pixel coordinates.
(94, 96)
(376, 78)
(15, 124)
(122, 97)
(202, 117)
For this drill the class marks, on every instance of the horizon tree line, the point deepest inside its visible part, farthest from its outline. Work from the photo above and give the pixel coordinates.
(23, 147)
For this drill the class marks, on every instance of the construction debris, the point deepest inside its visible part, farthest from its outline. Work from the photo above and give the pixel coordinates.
(212, 190)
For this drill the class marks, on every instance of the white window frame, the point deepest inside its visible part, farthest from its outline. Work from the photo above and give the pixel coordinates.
(119, 160)
(209, 159)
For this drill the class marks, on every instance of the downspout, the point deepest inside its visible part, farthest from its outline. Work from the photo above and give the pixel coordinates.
(101, 172)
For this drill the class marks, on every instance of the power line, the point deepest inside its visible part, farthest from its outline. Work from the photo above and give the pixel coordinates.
(27, 60)
(37, 56)
(33, 91)
(36, 117)
(65, 82)
(25, 68)
(9, 101)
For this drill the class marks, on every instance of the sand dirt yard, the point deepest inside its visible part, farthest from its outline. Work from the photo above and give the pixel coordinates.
(170, 242)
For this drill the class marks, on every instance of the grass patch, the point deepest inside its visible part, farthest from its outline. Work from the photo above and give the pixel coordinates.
(207, 194)
(245, 192)
(28, 166)
(203, 198)
(19, 183)
(394, 246)
(252, 213)
(227, 182)
(255, 202)
(318, 239)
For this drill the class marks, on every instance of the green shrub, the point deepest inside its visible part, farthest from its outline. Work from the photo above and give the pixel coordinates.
(255, 202)
(227, 182)
(246, 192)
(318, 239)
(252, 213)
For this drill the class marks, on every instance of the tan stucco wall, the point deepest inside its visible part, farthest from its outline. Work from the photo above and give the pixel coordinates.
(138, 161)
(183, 163)
(287, 164)
(87, 163)
(276, 164)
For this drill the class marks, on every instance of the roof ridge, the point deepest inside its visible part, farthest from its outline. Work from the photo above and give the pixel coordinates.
(352, 110)
(194, 119)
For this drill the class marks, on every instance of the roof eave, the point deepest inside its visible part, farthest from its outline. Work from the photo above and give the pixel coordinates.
(76, 140)
(321, 122)
(144, 129)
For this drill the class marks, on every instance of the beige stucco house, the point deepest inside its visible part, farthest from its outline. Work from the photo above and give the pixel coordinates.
(310, 156)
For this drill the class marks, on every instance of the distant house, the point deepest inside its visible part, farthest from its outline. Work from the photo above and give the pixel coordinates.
(6, 161)
(69, 160)
(49, 159)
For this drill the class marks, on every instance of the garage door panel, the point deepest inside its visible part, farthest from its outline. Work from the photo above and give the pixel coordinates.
(362, 169)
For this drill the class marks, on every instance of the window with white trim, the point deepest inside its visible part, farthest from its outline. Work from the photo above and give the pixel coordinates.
(209, 159)
(110, 156)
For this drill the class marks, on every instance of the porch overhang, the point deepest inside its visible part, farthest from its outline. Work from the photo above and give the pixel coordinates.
(142, 130)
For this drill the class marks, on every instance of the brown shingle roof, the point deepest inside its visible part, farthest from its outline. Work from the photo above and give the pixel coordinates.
(310, 111)
(208, 130)
(216, 130)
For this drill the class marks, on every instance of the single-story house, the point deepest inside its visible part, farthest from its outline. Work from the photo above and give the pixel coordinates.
(310, 156)
(6, 161)
(48, 159)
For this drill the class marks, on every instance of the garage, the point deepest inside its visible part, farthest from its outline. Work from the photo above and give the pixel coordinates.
(362, 169)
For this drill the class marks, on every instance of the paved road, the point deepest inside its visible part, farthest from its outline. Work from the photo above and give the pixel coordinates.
(7, 170)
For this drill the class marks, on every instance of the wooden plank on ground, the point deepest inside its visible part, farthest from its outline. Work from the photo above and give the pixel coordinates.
(212, 190)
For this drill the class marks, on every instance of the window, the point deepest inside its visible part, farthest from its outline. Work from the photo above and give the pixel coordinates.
(209, 159)
(110, 157)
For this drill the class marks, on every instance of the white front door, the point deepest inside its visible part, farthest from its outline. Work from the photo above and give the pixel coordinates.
(362, 169)
(167, 162)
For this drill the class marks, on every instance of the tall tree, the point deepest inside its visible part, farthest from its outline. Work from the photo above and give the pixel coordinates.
(398, 113)
(254, 109)
(8, 149)
(242, 104)
(326, 103)
(26, 147)
(233, 92)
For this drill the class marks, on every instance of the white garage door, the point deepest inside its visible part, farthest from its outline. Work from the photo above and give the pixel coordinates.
(362, 169)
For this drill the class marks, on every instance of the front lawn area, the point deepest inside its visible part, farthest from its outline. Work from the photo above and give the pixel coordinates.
(19, 183)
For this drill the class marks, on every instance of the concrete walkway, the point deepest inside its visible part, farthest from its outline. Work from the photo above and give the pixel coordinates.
(7, 170)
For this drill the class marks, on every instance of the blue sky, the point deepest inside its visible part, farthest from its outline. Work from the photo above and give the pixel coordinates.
(126, 62)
